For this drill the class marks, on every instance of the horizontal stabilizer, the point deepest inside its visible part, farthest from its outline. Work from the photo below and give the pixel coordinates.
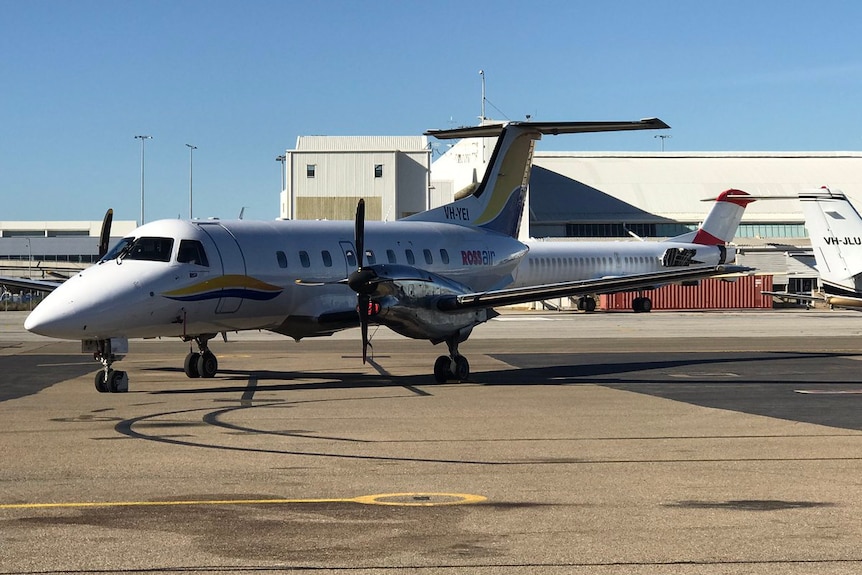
(550, 128)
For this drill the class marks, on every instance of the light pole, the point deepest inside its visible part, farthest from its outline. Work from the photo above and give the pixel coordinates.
(142, 139)
(29, 260)
(663, 137)
(281, 159)
(191, 149)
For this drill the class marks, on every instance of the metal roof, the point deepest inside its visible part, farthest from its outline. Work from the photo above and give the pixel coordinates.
(654, 186)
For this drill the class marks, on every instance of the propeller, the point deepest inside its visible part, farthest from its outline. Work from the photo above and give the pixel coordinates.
(105, 234)
(359, 279)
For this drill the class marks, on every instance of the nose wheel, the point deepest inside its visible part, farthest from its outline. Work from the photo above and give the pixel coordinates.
(109, 380)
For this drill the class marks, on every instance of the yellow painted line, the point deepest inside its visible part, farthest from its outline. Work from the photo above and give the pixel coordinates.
(399, 499)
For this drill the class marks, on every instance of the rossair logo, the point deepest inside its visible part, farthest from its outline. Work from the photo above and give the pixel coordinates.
(845, 241)
(477, 257)
(240, 286)
(456, 213)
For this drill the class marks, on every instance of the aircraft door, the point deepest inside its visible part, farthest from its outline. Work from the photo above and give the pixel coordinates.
(232, 264)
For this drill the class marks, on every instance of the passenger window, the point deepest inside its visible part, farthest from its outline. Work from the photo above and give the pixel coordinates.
(327, 259)
(304, 259)
(428, 259)
(369, 257)
(410, 258)
(282, 259)
(390, 255)
(444, 257)
(192, 252)
(351, 258)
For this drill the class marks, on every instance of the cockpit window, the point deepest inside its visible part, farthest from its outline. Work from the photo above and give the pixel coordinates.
(121, 247)
(192, 252)
(150, 249)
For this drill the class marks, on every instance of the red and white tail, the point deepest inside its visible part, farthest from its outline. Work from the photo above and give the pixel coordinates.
(721, 223)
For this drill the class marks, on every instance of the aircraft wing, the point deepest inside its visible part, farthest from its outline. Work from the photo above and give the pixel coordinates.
(510, 296)
(36, 285)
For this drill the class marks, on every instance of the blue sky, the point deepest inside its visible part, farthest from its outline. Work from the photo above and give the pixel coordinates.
(241, 80)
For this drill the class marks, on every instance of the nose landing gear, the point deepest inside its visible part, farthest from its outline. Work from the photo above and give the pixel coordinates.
(107, 351)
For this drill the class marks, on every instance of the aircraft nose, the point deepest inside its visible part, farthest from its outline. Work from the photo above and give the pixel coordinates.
(52, 319)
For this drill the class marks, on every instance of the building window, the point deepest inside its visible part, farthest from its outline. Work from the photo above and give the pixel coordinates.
(309, 170)
(378, 170)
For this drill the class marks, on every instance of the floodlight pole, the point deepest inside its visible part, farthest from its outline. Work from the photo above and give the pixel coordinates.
(191, 149)
(663, 137)
(142, 139)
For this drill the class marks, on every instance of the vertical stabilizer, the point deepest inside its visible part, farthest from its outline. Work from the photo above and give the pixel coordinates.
(721, 222)
(497, 204)
(835, 229)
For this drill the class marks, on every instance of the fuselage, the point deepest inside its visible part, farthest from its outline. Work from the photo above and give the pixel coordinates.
(183, 278)
(553, 261)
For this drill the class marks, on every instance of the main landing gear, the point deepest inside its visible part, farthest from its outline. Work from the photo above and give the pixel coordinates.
(201, 363)
(453, 366)
(641, 304)
(109, 380)
(587, 303)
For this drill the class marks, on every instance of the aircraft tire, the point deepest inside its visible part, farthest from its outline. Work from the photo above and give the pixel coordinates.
(589, 304)
(115, 382)
(207, 365)
(646, 305)
(191, 364)
(101, 386)
(441, 369)
(462, 368)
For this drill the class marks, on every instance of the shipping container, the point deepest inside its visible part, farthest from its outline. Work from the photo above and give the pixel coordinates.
(742, 293)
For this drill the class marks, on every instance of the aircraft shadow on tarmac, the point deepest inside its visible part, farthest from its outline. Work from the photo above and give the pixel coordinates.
(761, 383)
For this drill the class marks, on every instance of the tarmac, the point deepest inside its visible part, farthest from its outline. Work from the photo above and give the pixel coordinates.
(669, 442)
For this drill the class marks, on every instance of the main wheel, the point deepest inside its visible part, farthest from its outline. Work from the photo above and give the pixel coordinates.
(207, 364)
(462, 368)
(441, 369)
(589, 304)
(191, 364)
(637, 304)
(101, 386)
(118, 382)
(646, 305)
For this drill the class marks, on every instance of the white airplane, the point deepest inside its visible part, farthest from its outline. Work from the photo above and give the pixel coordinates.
(434, 275)
(835, 229)
(549, 260)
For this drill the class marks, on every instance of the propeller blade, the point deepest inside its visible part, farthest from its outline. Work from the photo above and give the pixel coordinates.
(359, 231)
(105, 234)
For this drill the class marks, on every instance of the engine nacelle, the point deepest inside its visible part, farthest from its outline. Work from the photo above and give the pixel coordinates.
(407, 299)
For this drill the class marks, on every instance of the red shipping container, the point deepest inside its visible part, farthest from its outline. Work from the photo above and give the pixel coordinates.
(711, 293)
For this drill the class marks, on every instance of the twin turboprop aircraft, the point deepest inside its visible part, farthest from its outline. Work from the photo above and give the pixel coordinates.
(434, 275)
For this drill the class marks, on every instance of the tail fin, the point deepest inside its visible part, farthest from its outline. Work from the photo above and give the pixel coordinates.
(835, 229)
(721, 222)
(497, 204)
